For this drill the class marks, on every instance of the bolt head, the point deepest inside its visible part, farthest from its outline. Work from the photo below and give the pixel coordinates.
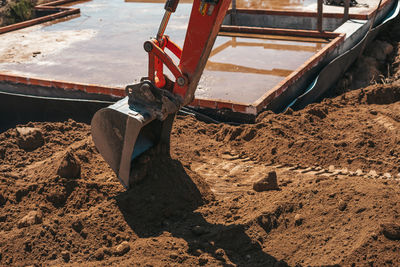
(181, 81)
(148, 46)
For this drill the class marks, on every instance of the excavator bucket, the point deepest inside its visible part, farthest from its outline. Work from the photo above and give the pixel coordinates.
(123, 131)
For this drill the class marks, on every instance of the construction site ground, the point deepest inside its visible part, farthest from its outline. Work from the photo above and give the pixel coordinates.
(338, 203)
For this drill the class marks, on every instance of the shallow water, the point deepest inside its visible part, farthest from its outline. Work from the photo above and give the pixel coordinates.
(104, 46)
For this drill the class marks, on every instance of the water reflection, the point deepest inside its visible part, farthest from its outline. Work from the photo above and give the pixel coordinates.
(242, 69)
(257, 4)
(112, 53)
(274, 4)
(254, 45)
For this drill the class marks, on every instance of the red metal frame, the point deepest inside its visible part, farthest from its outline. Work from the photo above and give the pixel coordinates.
(200, 37)
(158, 57)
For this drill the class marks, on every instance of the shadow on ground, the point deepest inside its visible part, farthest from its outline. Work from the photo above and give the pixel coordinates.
(166, 201)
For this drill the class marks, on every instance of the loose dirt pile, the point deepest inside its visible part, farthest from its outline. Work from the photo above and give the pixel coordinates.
(60, 203)
(320, 186)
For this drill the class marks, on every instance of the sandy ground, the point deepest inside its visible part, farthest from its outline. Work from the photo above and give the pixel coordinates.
(337, 201)
(199, 207)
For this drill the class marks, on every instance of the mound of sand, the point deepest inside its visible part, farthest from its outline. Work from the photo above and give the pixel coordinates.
(199, 207)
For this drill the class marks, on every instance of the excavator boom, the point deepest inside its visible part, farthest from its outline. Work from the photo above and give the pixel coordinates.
(142, 120)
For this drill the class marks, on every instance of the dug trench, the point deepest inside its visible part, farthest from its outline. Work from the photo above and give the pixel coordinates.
(336, 201)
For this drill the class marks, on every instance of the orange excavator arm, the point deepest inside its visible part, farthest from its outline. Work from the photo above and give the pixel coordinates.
(143, 120)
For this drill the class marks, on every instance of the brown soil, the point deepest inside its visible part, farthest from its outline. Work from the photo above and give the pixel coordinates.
(211, 203)
(199, 206)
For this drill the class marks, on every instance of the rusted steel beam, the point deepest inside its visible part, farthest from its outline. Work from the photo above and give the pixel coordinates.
(320, 15)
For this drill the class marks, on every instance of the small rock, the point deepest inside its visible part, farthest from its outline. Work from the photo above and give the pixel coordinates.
(66, 256)
(344, 171)
(391, 231)
(372, 173)
(268, 183)
(298, 219)
(387, 175)
(122, 248)
(342, 205)
(219, 254)
(359, 172)
(33, 217)
(29, 138)
(99, 254)
(203, 261)
(107, 251)
(267, 221)
(374, 236)
(174, 256)
(331, 168)
(70, 167)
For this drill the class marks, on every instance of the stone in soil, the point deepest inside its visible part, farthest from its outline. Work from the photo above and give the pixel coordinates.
(372, 173)
(342, 205)
(268, 183)
(391, 231)
(29, 138)
(298, 219)
(33, 217)
(99, 254)
(359, 172)
(70, 167)
(122, 248)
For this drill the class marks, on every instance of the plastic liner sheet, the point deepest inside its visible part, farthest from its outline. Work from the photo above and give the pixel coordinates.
(336, 68)
(20, 109)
